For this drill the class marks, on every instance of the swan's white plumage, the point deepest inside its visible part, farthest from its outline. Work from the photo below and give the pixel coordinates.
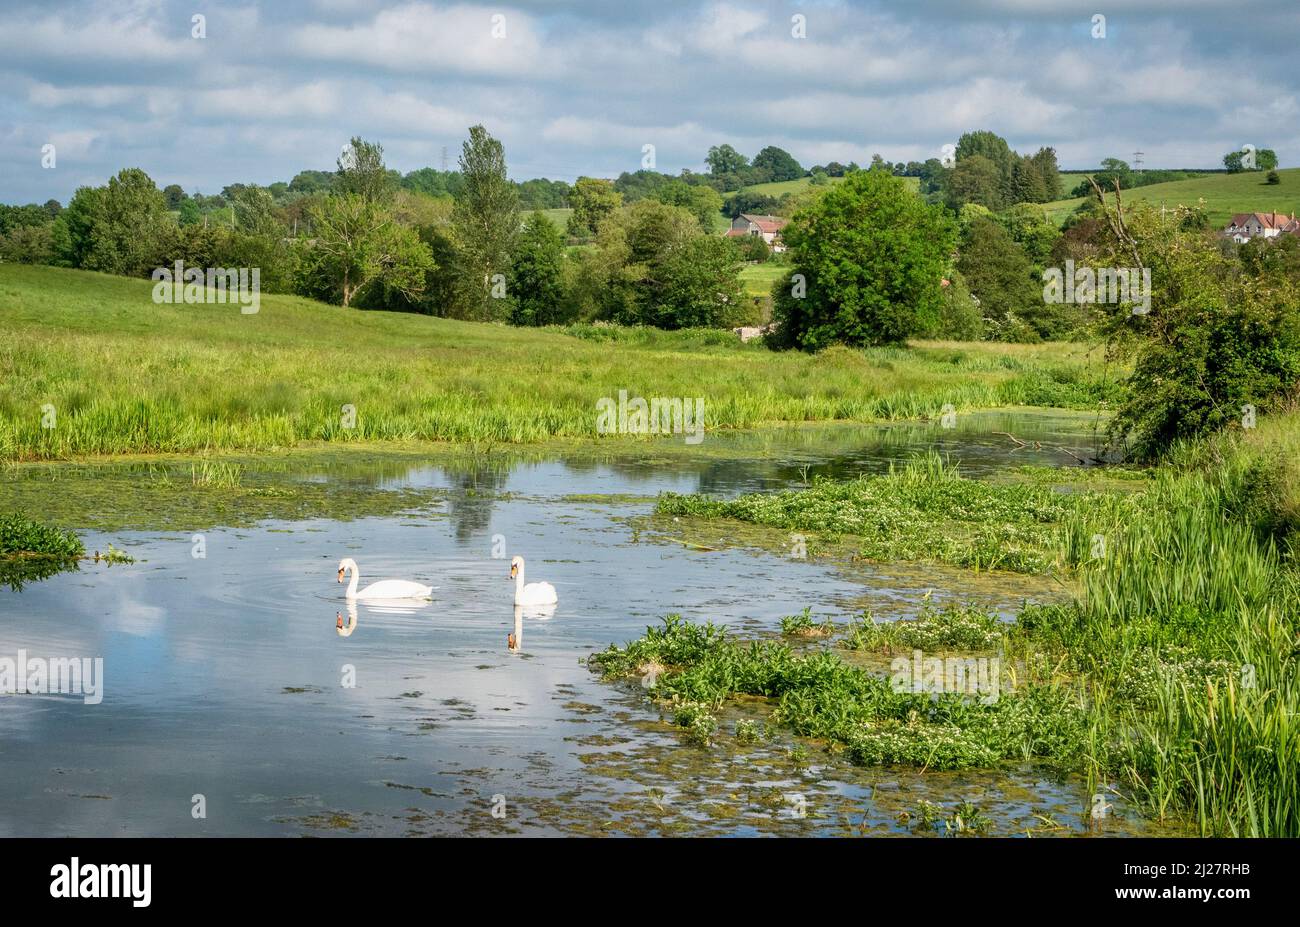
(384, 589)
(530, 593)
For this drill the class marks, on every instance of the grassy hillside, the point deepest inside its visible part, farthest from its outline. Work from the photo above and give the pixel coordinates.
(126, 375)
(782, 187)
(1224, 195)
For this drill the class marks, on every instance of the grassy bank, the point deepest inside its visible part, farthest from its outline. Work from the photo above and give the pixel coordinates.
(121, 374)
(1223, 195)
(1171, 676)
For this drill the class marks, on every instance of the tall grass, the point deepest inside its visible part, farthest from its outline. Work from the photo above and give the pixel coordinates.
(1182, 644)
(1186, 633)
(125, 375)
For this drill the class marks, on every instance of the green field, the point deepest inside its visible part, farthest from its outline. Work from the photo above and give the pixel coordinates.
(758, 278)
(1224, 195)
(782, 187)
(125, 375)
(559, 216)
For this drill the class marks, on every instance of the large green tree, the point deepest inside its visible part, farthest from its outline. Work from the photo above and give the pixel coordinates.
(1265, 159)
(537, 277)
(123, 225)
(485, 222)
(361, 171)
(592, 199)
(73, 228)
(697, 285)
(1221, 341)
(867, 259)
(780, 162)
(723, 159)
(705, 203)
(999, 274)
(651, 264)
(975, 179)
(356, 243)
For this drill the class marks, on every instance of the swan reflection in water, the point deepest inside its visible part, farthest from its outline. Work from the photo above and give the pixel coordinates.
(381, 606)
(515, 640)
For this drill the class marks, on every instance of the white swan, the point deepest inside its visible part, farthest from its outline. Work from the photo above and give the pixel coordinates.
(533, 593)
(386, 589)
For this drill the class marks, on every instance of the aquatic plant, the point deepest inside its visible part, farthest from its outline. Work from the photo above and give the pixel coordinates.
(23, 536)
(925, 820)
(698, 720)
(748, 732)
(967, 818)
(1185, 635)
(802, 625)
(31, 551)
(818, 695)
(922, 510)
(953, 627)
(1174, 674)
(216, 473)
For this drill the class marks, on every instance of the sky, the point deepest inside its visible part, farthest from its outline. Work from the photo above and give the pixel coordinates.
(581, 87)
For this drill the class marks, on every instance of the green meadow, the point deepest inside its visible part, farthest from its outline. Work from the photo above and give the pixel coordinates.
(1224, 195)
(559, 216)
(111, 372)
(780, 188)
(759, 278)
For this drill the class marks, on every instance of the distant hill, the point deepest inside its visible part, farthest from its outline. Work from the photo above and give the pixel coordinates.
(1224, 195)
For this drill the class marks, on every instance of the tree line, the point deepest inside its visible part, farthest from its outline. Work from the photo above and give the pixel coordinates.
(457, 244)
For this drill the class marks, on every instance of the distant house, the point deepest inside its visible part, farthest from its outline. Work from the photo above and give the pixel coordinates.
(1247, 225)
(769, 227)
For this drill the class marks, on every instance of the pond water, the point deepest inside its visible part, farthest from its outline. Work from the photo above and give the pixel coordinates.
(225, 675)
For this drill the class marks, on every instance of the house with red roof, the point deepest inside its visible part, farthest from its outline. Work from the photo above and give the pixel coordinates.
(1247, 225)
(769, 227)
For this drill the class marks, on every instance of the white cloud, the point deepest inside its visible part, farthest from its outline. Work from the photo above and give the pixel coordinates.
(121, 32)
(578, 87)
(423, 38)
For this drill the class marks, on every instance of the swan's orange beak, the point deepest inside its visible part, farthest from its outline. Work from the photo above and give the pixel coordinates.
(510, 641)
(340, 621)
(340, 574)
(513, 570)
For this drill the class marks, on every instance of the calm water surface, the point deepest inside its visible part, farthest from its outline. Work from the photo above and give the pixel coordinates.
(225, 676)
